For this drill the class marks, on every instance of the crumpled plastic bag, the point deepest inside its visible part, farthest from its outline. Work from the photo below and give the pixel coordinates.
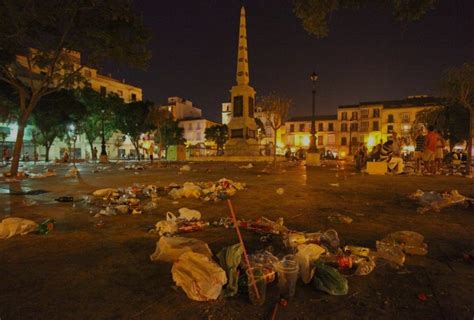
(10, 227)
(229, 260)
(390, 252)
(305, 257)
(72, 173)
(436, 201)
(329, 280)
(189, 190)
(104, 192)
(171, 248)
(168, 226)
(199, 277)
(184, 168)
(189, 214)
(409, 241)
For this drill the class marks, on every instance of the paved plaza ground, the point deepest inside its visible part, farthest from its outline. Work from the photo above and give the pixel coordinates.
(80, 271)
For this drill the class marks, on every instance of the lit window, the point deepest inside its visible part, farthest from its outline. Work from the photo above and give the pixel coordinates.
(301, 127)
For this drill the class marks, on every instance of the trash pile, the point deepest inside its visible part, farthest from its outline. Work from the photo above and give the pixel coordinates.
(47, 173)
(435, 201)
(10, 227)
(317, 258)
(207, 191)
(144, 198)
(188, 221)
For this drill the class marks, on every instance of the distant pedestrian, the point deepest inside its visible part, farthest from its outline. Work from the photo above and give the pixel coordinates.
(439, 155)
(94, 154)
(431, 142)
(419, 149)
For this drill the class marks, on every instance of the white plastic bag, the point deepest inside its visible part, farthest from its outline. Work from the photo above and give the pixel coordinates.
(306, 255)
(10, 227)
(170, 249)
(103, 192)
(199, 277)
(188, 214)
(168, 226)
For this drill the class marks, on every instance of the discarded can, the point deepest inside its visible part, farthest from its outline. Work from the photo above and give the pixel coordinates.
(344, 262)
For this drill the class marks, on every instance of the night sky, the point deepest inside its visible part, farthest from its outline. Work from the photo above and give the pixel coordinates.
(367, 56)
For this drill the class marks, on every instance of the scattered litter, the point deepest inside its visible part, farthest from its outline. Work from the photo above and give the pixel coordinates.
(185, 168)
(410, 242)
(65, 199)
(72, 173)
(207, 191)
(334, 184)
(10, 227)
(280, 191)
(170, 249)
(390, 252)
(188, 214)
(422, 296)
(436, 201)
(340, 218)
(329, 280)
(229, 260)
(305, 257)
(104, 192)
(46, 174)
(248, 166)
(199, 277)
(46, 226)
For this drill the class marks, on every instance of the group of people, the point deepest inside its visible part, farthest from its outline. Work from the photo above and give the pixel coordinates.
(429, 153)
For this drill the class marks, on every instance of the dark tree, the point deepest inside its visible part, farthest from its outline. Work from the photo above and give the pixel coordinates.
(315, 14)
(45, 35)
(53, 116)
(133, 119)
(170, 134)
(219, 134)
(98, 109)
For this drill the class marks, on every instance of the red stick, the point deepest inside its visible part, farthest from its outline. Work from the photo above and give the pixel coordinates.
(241, 240)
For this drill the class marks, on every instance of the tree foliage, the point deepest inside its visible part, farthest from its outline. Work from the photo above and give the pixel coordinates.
(45, 34)
(170, 133)
(98, 109)
(458, 87)
(451, 119)
(315, 14)
(133, 119)
(53, 116)
(218, 134)
(275, 110)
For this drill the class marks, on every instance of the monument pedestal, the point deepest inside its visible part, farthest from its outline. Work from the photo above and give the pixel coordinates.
(313, 159)
(241, 147)
(103, 158)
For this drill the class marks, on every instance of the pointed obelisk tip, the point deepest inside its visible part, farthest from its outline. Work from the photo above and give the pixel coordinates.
(242, 11)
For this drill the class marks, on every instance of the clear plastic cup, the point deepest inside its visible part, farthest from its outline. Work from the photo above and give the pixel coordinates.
(256, 282)
(287, 270)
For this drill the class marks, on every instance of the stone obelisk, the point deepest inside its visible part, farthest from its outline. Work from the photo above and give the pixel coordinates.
(242, 126)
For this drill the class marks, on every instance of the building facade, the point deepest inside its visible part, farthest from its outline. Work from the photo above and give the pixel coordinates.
(367, 122)
(194, 130)
(117, 145)
(181, 108)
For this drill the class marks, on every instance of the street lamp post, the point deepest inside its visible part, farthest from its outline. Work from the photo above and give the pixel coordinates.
(103, 151)
(74, 139)
(313, 157)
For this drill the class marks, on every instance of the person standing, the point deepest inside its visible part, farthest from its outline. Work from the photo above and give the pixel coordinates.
(430, 150)
(94, 154)
(419, 149)
(439, 156)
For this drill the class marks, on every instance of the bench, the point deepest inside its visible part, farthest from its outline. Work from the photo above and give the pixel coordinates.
(380, 168)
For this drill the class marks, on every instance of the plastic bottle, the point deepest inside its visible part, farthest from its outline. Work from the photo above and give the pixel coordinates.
(65, 199)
